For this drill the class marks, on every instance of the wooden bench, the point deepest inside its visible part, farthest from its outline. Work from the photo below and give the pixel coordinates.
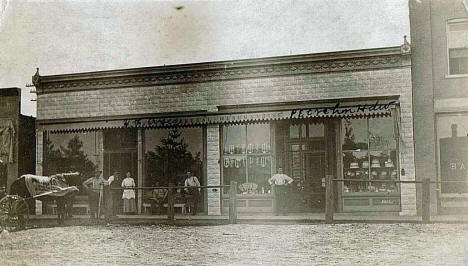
(81, 202)
(75, 205)
(182, 206)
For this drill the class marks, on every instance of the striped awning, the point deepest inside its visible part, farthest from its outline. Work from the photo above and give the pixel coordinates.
(233, 115)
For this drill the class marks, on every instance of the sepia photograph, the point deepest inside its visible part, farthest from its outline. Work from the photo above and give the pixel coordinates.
(233, 132)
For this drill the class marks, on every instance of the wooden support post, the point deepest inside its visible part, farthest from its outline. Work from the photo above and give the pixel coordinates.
(233, 203)
(426, 201)
(140, 167)
(170, 203)
(329, 200)
(275, 202)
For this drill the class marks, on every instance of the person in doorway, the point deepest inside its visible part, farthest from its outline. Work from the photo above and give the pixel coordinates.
(93, 186)
(281, 182)
(159, 196)
(193, 192)
(110, 194)
(128, 195)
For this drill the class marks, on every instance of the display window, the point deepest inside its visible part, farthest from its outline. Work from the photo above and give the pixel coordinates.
(370, 153)
(452, 133)
(66, 153)
(247, 157)
(170, 153)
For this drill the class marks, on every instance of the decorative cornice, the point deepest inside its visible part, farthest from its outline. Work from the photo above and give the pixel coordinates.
(228, 70)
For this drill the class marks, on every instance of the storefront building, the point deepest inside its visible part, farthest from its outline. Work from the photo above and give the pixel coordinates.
(439, 37)
(343, 114)
(16, 157)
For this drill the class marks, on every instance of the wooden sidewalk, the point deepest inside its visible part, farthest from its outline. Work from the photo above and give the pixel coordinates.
(306, 218)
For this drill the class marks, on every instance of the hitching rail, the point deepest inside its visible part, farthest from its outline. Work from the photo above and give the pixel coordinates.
(426, 194)
(170, 198)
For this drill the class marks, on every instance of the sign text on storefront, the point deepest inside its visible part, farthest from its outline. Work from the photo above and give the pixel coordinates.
(339, 110)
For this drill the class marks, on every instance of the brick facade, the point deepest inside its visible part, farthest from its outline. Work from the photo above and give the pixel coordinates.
(303, 82)
(206, 96)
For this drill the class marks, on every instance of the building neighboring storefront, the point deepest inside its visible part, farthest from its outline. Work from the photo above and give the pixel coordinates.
(16, 157)
(344, 114)
(439, 37)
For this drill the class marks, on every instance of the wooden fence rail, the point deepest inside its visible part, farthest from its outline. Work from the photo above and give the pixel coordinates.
(426, 194)
(171, 198)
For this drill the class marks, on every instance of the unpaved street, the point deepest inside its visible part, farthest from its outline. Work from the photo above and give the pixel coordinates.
(343, 244)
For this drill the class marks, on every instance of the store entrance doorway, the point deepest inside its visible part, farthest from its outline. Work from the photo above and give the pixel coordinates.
(306, 164)
(121, 161)
(120, 152)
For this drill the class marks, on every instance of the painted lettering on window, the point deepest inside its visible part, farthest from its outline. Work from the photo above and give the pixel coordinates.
(457, 166)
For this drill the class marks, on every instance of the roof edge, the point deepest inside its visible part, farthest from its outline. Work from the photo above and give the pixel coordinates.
(227, 64)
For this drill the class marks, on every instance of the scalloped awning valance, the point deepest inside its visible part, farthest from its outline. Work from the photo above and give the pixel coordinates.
(323, 110)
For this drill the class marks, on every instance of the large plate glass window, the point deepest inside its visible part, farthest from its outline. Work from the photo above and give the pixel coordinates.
(452, 133)
(247, 157)
(369, 152)
(170, 153)
(457, 43)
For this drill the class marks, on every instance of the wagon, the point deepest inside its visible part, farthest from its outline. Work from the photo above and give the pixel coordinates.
(15, 206)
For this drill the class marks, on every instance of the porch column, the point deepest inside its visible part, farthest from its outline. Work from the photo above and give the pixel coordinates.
(140, 167)
(213, 169)
(100, 150)
(40, 151)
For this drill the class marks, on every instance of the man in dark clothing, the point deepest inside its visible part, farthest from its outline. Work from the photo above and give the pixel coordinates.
(159, 197)
(113, 194)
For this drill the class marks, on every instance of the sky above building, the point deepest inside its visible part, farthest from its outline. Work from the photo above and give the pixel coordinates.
(63, 37)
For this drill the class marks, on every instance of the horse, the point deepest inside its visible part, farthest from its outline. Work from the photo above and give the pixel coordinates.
(64, 202)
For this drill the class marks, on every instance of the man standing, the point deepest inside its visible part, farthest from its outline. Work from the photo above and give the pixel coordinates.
(281, 182)
(191, 182)
(112, 195)
(93, 185)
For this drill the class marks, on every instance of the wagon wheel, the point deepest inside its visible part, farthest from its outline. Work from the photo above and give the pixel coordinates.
(14, 212)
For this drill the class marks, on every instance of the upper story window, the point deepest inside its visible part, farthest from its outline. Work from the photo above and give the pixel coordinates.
(457, 42)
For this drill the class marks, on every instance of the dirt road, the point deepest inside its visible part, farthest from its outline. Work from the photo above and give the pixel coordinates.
(343, 244)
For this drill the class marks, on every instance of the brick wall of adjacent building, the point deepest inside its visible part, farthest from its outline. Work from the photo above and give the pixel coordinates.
(424, 126)
(10, 112)
(428, 24)
(442, 11)
(209, 95)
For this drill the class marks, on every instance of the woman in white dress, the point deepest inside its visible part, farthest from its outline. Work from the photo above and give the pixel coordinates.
(128, 195)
